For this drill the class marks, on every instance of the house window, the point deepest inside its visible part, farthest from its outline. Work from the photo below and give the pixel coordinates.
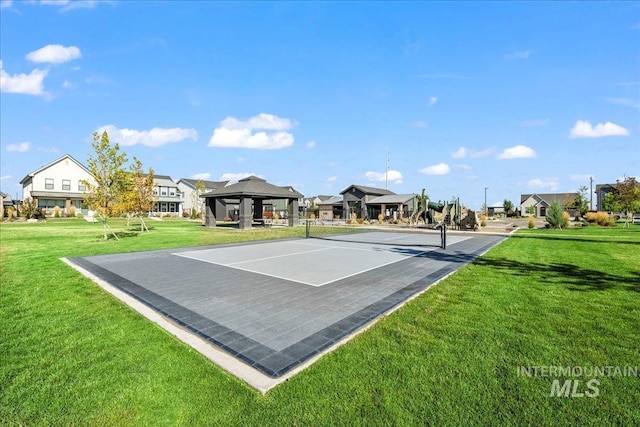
(543, 211)
(172, 192)
(172, 207)
(66, 184)
(48, 184)
(163, 192)
(81, 186)
(163, 207)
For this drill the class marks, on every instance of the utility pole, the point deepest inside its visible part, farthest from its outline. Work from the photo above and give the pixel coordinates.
(486, 208)
(591, 193)
(386, 174)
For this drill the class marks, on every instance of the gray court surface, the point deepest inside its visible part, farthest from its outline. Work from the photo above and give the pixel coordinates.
(275, 304)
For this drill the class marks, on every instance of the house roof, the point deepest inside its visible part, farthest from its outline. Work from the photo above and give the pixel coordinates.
(163, 180)
(393, 199)
(332, 200)
(65, 157)
(253, 186)
(550, 197)
(208, 185)
(368, 190)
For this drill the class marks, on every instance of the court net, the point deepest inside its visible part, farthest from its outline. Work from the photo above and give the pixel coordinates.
(396, 237)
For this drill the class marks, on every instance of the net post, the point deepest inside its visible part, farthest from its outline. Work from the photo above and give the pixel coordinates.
(307, 228)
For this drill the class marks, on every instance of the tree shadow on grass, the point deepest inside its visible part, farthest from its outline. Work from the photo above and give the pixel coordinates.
(574, 277)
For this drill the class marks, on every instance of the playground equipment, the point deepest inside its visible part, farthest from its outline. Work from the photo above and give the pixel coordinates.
(455, 216)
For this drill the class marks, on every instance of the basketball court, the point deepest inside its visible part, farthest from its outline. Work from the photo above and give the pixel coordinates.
(265, 310)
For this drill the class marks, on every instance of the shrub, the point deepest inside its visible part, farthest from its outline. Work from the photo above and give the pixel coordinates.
(360, 221)
(380, 218)
(565, 218)
(555, 215)
(56, 211)
(72, 211)
(9, 213)
(531, 221)
(600, 218)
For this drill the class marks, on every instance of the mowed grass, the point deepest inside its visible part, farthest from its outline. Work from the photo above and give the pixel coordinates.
(71, 354)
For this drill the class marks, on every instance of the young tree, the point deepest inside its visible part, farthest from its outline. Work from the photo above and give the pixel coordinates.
(508, 207)
(555, 215)
(139, 197)
(104, 195)
(628, 197)
(196, 201)
(581, 202)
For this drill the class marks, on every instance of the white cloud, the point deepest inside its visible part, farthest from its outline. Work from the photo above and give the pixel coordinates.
(419, 124)
(54, 54)
(234, 133)
(332, 179)
(391, 175)
(464, 166)
(544, 183)
(584, 129)
(534, 123)
(4, 177)
(522, 54)
(28, 84)
(439, 169)
(580, 178)
(627, 102)
(517, 152)
(460, 153)
(234, 177)
(18, 148)
(203, 176)
(311, 144)
(433, 100)
(67, 5)
(67, 84)
(151, 138)
(4, 4)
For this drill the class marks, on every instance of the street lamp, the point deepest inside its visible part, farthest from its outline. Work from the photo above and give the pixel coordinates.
(485, 200)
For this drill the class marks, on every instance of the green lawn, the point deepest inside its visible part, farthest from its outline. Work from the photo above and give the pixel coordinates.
(71, 354)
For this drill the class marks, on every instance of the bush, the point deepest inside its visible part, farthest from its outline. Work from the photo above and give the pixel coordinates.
(600, 218)
(72, 211)
(56, 211)
(531, 221)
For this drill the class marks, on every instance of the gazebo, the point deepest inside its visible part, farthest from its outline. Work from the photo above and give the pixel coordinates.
(250, 192)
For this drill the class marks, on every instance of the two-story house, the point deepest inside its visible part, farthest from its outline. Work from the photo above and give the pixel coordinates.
(60, 183)
(191, 198)
(169, 196)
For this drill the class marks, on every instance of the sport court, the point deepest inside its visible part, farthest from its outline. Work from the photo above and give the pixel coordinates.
(277, 305)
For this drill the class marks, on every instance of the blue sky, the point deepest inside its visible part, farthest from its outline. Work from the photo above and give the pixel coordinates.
(519, 97)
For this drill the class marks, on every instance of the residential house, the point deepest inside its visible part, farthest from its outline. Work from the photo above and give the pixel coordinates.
(601, 192)
(7, 203)
(190, 197)
(369, 202)
(330, 208)
(169, 196)
(60, 183)
(539, 203)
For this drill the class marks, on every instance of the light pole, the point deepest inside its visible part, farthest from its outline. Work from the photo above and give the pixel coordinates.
(485, 200)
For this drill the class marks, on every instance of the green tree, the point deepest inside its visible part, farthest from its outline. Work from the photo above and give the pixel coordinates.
(610, 202)
(555, 215)
(508, 207)
(106, 191)
(581, 203)
(628, 197)
(531, 210)
(139, 197)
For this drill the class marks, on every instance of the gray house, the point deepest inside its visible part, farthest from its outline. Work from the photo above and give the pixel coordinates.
(190, 197)
(369, 202)
(539, 203)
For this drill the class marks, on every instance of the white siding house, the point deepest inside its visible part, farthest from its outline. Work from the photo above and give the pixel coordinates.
(191, 200)
(60, 183)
